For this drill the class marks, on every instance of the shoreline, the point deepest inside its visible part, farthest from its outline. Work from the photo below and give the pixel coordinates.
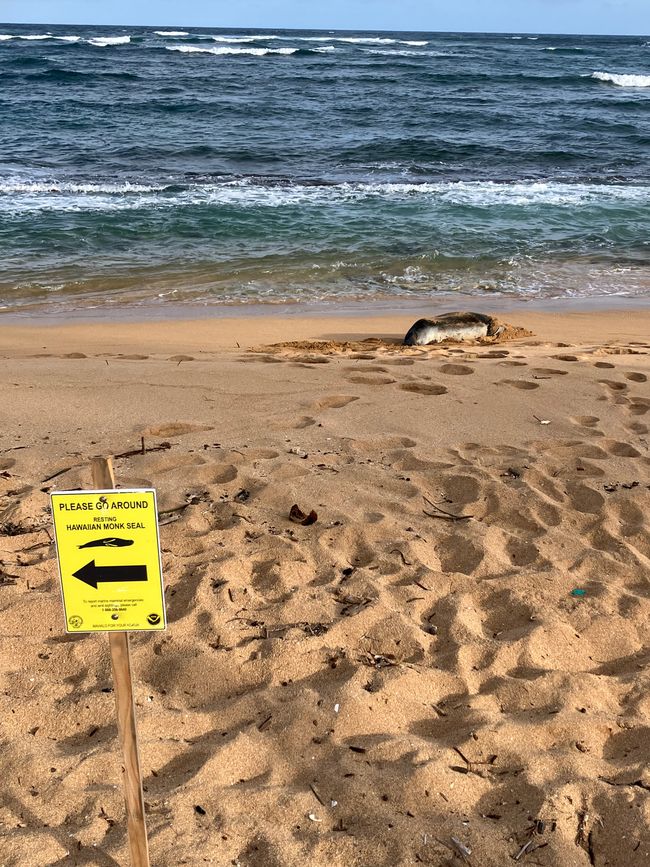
(205, 335)
(429, 306)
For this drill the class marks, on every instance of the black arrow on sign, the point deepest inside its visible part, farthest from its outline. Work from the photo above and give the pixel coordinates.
(92, 575)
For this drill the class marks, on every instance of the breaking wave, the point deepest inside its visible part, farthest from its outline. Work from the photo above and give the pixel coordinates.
(256, 52)
(103, 41)
(623, 80)
(43, 195)
(37, 37)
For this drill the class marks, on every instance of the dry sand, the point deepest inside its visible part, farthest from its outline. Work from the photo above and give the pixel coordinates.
(362, 690)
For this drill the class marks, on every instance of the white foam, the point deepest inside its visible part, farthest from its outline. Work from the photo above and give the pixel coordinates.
(38, 37)
(359, 40)
(352, 40)
(103, 41)
(171, 33)
(25, 196)
(396, 52)
(254, 38)
(11, 187)
(256, 52)
(623, 80)
(488, 193)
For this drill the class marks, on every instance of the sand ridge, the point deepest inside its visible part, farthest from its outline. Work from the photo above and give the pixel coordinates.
(452, 659)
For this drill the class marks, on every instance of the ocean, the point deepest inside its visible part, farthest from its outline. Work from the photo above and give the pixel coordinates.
(201, 167)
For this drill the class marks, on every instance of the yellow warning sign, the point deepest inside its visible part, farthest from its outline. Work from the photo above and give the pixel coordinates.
(109, 560)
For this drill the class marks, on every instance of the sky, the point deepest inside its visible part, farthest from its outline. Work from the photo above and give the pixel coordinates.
(504, 16)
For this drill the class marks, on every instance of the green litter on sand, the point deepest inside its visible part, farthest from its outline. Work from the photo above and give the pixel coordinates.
(578, 592)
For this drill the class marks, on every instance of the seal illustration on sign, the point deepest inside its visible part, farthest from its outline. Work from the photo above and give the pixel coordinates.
(109, 542)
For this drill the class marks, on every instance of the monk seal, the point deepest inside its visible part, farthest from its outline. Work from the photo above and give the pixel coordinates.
(452, 326)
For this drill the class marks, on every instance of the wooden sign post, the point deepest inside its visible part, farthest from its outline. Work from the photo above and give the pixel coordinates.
(108, 550)
(103, 478)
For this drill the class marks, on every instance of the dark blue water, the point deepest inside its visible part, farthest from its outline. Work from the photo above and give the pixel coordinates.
(143, 167)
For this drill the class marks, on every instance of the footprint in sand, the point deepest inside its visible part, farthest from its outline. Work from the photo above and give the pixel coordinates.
(638, 406)
(636, 377)
(638, 428)
(366, 368)
(134, 357)
(458, 555)
(179, 358)
(74, 355)
(604, 365)
(456, 369)
(175, 429)
(423, 388)
(460, 490)
(370, 378)
(399, 361)
(336, 401)
(523, 384)
(613, 385)
(397, 442)
(585, 499)
(621, 450)
(311, 359)
(265, 359)
(565, 357)
(512, 363)
(223, 473)
(262, 454)
(550, 371)
(585, 420)
(305, 421)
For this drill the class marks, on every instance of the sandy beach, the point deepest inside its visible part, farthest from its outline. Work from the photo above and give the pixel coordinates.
(450, 664)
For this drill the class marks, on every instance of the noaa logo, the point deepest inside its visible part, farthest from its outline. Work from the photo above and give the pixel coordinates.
(153, 619)
(75, 621)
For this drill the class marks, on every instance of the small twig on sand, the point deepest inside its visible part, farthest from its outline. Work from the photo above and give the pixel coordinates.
(142, 450)
(524, 849)
(448, 516)
(404, 560)
(317, 795)
(463, 757)
(59, 473)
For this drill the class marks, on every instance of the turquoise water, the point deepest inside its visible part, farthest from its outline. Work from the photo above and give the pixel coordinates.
(144, 167)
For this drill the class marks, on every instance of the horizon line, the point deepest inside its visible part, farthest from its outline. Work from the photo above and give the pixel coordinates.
(333, 30)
